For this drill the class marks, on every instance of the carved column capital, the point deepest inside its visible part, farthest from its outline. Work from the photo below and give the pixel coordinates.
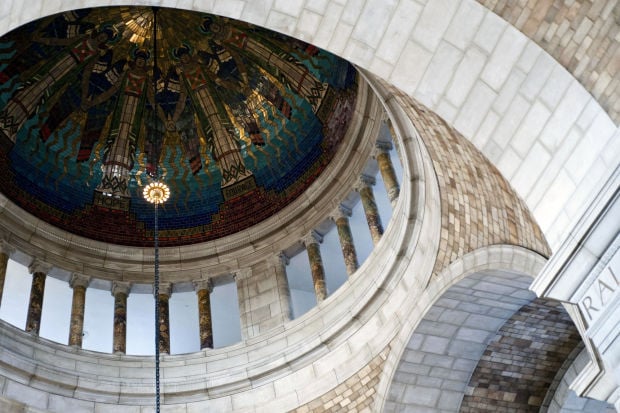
(203, 285)
(312, 237)
(364, 181)
(120, 287)
(381, 147)
(279, 259)
(79, 280)
(39, 266)
(341, 211)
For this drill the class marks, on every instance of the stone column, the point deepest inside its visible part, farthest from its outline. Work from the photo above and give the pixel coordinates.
(204, 288)
(5, 251)
(39, 272)
(364, 187)
(311, 241)
(382, 154)
(279, 263)
(79, 283)
(120, 291)
(341, 218)
(165, 290)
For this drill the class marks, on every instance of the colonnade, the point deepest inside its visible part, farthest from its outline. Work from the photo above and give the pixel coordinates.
(204, 287)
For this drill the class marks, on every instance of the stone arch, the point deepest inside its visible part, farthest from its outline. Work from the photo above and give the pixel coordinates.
(496, 274)
(451, 338)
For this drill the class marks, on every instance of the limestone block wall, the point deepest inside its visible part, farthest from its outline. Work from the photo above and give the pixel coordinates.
(261, 306)
(582, 35)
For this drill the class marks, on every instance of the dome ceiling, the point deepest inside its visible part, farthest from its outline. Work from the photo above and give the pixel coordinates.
(236, 119)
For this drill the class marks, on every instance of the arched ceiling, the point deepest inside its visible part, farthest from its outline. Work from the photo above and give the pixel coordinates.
(241, 123)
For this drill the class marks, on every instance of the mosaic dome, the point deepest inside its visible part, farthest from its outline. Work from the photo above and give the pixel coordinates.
(237, 120)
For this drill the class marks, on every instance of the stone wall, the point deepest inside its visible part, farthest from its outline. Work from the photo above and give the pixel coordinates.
(582, 35)
(260, 300)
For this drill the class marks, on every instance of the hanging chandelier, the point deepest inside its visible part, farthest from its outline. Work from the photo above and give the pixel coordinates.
(156, 193)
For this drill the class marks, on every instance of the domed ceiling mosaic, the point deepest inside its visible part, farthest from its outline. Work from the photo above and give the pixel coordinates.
(237, 120)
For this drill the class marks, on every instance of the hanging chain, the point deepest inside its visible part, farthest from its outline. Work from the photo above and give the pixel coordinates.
(156, 237)
(156, 312)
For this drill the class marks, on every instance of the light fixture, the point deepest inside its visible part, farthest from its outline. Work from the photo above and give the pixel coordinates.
(156, 192)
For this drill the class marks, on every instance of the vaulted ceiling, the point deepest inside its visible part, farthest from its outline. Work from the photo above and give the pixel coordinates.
(236, 119)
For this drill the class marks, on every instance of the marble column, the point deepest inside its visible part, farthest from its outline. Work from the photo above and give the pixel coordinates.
(79, 283)
(311, 241)
(5, 251)
(120, 291)
(279, 263)
(39, 272)
(364, 187)
(341, 218)
(165, 290)
(382, 154)
(204, 288)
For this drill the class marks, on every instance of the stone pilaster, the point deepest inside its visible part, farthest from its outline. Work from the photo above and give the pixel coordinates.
(5, 251)
(120, 291)
(386, 167)
(364, 187)
(311, 241)
(79, 283)
(279, 263)
(341, 218)
(204, 288)
(163, 301)
(39, 272)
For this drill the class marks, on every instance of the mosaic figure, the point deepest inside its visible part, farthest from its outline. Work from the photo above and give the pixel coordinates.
(208, 106)
(29, 54)
(24, 103)
(174, 114)
(125, 127)
(282, 65)
(233, 84)
(91, 95)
